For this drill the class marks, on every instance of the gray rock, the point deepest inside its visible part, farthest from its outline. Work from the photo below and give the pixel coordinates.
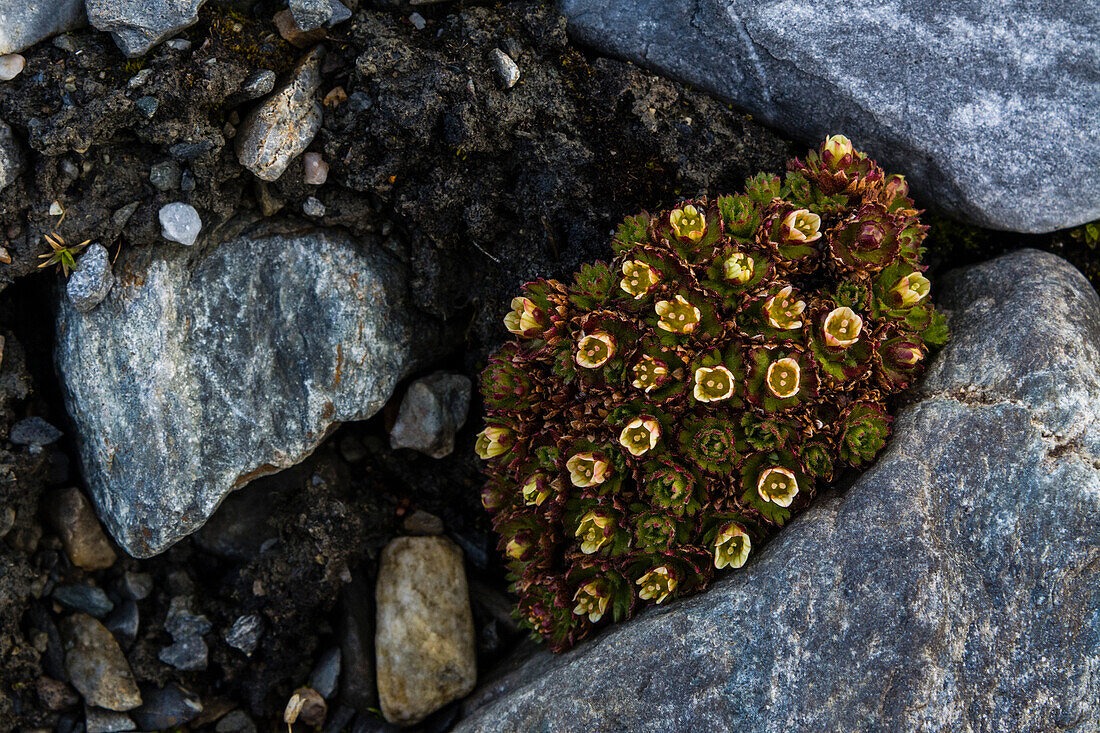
(424, 639)
(421, 522)
(91, 280)
(124, 623)
(283, 126)
(327, 673)
(84, 598)
(948, 589)
(166, 708)
(258, 83)
(165, 176)
(217, 371)
(23, 24)
(97, 720)
(148, 106)
(1008, 139)
(96, 666)
(310, 14)
(313, 207)
(138, 25)
(180, 223)
(12, 160)
(178, 44)
(340, 13)
(236, 721)
(245, 633)
(188, 652)
(507, 71)
(433, 410)
(137, 586)
(34, 431)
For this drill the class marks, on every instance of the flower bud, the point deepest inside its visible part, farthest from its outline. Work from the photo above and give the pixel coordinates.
(657, 585)
(594, 531)
(535, 490)
(911, 289)
(731, 547)
(835, 149)
(801, 226)
(738, 268)
(523, 318)
(592, 599)
(493, 441)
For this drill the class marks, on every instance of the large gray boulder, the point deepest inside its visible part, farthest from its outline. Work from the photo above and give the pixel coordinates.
(988, 108)
(138, 25)
(953, 587)
(23, 23)
(201, 372)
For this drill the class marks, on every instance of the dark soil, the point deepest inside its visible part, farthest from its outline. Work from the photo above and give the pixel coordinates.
(477, 188)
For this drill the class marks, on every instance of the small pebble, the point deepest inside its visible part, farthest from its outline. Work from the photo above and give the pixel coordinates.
(313, 207)
(245, 633)
(507, 71)
(418, 21)
(11, 66)
(360, 101)
(235, 722)
(78, 527)
(340, 13)
(180, 223)
(65, 43)
(165, 176)
(84, 598)
(137, 586)
(97, 720)
(91, 280)
(34, 431)
(187, 181)
(167, 708)
(55, 209)
(139, 78)
(316, 169)
(148, 106)
(258, 84)
(178, 44)
(336, 97)
(422, 523)
(327, 673)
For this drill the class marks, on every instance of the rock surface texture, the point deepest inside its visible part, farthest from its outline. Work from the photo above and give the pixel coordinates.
(424, 643)
(12, 160)
(199, 373)
(24, 24)
(284, 125)
(952, 587)
(433, 410)
(138, 25)
(1007, 140)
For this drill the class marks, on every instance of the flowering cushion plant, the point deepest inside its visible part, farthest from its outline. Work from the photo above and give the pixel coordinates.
(655, 420)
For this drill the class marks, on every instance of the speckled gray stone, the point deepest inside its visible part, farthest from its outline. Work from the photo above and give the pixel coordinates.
(989, 109)
(283, 126)
(12, 160)
(953, 587)
(23, 24)
(432, 411)
(138, 25)
(194, 377)
(91, 280)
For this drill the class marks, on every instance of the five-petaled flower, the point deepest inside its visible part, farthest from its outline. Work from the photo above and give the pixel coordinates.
(493, 441)
(595, 349)
(587, 469)
(738, 267)
(535, 490)
(657, 585)
(802, 225)
(593, 531)
(777, 485)
(677, 316)
(912, 289)
(842, 327)
(784, 378)
(688, 223)
(638, 278)
(640, 435)
(713, 384)
(784, 311)
(523, 317)
(731, 547)
(592, 599)
(648, 372)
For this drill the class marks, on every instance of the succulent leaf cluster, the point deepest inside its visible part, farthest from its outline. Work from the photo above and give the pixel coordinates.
(656, 419)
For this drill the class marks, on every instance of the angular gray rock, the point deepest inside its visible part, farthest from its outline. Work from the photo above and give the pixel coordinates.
(23, 24)
(283, 126)
(952, 587)
(198, 374)
(12, 160)
(1008, 139)
(138, 25)
(91, 280)
(432, 411)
